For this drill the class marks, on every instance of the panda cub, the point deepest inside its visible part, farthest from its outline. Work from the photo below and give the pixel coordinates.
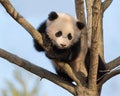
(62, 33)
(61, 36)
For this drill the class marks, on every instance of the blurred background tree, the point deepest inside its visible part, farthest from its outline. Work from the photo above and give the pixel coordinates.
(13, 90)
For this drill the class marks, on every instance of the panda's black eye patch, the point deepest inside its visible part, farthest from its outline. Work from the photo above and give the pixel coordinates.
(69, 36)
(58, 34)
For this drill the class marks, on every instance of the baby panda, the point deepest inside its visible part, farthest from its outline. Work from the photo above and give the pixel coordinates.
(61, 36)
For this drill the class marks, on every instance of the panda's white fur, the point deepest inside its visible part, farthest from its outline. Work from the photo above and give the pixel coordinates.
(67, 25)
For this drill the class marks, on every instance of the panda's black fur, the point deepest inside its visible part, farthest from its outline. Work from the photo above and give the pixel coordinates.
(66, 54)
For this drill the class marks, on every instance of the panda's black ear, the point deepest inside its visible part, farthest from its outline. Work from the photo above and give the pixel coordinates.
(80, 25)
(52, 16)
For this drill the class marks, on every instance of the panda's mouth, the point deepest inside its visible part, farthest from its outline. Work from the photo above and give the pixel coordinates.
(63, 46)
(60, 49)
(60, 45)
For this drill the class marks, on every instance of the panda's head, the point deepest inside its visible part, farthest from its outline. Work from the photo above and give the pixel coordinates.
(63, 29)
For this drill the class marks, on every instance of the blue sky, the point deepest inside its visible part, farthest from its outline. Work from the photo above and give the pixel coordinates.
(15, 39)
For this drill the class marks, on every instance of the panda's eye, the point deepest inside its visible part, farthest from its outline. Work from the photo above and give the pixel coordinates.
(58, 34)
(69, 36)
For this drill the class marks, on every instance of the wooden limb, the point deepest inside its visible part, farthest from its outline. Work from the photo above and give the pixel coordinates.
(16, 16)
(79, 5)
(37, 70)
(89, 4)
(106, 4)
(108, 76)
(94, 46)
(101, 41)
(113, 64)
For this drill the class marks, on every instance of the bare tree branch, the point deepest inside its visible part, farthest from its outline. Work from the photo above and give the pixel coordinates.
(16, 16)
(94, 46)
(89, 4)
(108, 76)
(113, 64)
(100, 30)
(79, 5)
(37, 70)
(106, 4)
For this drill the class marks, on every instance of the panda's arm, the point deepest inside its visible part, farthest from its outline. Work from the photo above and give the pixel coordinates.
(42, 27)
(37, 46)
(41, 30)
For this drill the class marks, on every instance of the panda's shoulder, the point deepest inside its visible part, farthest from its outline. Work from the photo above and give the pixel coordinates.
(42, 27)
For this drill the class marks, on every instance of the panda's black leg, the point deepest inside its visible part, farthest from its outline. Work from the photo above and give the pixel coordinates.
(64, 76)
(102, 70)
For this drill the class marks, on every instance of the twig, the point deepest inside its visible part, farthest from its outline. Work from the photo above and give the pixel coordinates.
(37, 70)
(108, 76)
(106, 4)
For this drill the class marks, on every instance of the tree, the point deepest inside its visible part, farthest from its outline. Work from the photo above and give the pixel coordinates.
(94, 29)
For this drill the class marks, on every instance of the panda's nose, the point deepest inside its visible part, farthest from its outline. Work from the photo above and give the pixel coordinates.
(63, 45)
